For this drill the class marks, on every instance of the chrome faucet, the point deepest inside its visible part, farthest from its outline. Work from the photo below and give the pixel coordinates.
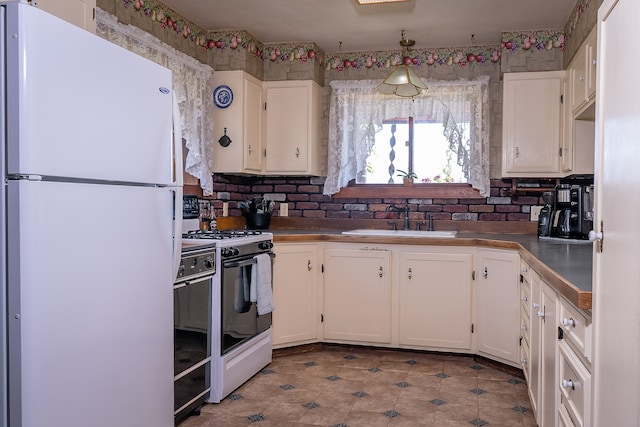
(404, 209)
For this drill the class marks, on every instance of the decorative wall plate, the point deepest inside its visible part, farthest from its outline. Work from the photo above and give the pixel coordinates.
(222, 96)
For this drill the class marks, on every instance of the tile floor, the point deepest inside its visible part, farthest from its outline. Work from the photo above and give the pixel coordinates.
(348, 387)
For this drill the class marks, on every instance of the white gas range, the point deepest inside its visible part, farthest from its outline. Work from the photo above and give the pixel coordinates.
(240, 343)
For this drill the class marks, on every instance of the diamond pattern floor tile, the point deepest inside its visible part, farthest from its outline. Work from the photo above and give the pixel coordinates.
(340, 386)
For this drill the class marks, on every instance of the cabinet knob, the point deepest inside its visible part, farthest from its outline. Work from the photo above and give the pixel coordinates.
(523, 361)
(541, 314)
(569, 323)
(523, 327)
(581, 78)
(517, 152)
(525, 299)
(568, 384)
(250, 149)
(485, 273)
(535, 305)
(309, 266)
(297, 152)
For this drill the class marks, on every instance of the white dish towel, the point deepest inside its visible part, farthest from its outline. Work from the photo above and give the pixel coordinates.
(261, 291)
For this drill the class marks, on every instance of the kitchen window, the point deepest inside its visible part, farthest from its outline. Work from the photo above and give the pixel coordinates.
(419, 146)
(360, 133)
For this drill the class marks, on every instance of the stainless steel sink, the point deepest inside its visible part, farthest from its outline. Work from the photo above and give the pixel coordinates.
(400, 233)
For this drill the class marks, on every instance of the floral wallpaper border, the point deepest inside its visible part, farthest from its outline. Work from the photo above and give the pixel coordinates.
(577, 13)
(281, 53)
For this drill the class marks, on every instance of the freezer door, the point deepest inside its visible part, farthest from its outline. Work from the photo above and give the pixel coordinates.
(80, 106)
(90, 305)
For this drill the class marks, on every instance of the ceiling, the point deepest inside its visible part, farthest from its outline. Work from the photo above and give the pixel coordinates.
(375, 27)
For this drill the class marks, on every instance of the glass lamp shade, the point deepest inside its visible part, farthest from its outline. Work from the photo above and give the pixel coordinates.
(402, 81)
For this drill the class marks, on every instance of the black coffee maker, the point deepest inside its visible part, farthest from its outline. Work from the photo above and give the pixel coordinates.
(571, 215)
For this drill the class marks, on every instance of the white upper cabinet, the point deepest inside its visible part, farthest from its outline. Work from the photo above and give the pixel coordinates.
(274, 127)
(582, 71)
(532, 119)
(240, 121)
(78, 12)
(292, 128)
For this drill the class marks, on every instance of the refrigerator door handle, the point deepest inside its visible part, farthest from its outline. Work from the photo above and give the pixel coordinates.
(178, 166)
(178, 182)
(177, 229)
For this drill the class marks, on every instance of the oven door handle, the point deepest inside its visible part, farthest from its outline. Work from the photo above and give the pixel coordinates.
(250, 261)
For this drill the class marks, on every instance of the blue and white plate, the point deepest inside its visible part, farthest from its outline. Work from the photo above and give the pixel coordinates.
(222, 96)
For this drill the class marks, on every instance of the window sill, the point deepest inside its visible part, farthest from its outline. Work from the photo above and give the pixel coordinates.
(417, 191)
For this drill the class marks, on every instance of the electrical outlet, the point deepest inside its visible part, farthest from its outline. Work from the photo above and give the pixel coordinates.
(535, 212)
(284, 209)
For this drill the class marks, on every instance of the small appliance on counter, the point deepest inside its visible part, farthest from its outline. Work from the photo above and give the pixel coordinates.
(567, 213)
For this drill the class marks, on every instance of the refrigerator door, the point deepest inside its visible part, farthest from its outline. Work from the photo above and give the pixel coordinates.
(90, 315)
(83, 107)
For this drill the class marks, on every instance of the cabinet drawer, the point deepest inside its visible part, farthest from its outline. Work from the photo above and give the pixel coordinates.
(525, 298)
(576, 327)
(564, 419)
(575, 385)
(524, 327)
(524, 359)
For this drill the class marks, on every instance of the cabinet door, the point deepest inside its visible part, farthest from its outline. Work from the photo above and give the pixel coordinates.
(567, 143)
(548, 350)
(592, 63)
(357, 295)
(252, 106)
(295, 293)
(531, 124)
(287, 128)
(78, 12)
(435, 300)
(497, 305)
(578, 71)
(534, 356)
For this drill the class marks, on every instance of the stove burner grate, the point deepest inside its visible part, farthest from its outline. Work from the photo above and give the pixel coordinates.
(219, 234)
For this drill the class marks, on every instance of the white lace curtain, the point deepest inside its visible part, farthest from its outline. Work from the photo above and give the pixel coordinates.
(357, 112)
(191, 85)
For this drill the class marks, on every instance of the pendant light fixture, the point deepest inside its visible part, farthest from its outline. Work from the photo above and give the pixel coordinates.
(402, 80)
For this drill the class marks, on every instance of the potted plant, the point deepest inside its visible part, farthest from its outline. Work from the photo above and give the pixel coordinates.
(407, 177)
(257, 212)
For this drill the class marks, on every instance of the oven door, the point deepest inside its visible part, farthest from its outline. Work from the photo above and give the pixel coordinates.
(240, 319)
(192, 326)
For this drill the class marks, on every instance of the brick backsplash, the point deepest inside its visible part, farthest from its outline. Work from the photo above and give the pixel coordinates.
(305, 199)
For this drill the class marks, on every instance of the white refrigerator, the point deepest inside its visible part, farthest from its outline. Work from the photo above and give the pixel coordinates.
(91, 206)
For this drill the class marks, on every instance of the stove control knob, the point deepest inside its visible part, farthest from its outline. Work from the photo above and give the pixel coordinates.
(265, 245)
(208, 263)
(230, 251)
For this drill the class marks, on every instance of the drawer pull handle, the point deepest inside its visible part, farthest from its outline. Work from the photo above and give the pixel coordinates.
(410, 273)
(568, 384)
(569, 323)
(381, 272)
(309, 266)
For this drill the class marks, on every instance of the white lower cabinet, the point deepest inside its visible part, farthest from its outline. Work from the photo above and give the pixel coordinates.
(295, 293)
(574, 381)
(497, 308)
(435, 300)
(357, 295)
